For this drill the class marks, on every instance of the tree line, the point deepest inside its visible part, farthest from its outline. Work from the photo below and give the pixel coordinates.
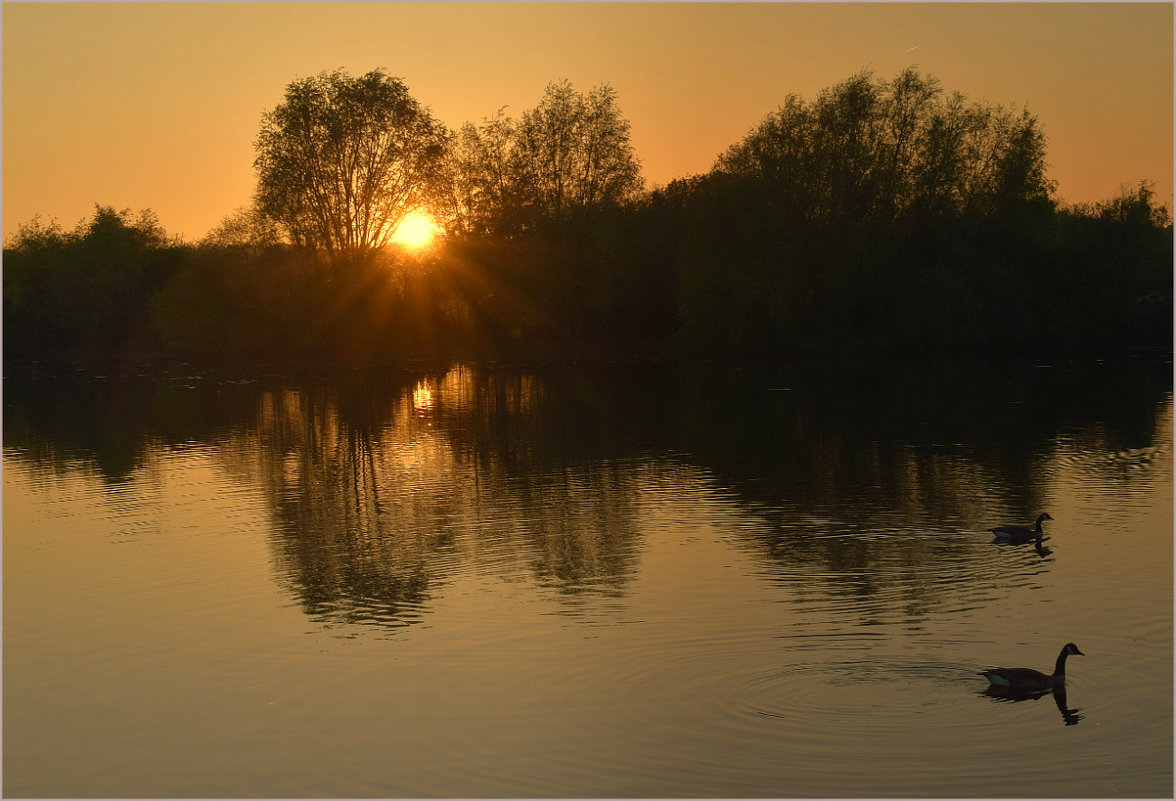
(881, 214)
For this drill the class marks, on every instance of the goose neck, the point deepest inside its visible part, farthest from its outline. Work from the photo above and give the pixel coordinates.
(1060, 666)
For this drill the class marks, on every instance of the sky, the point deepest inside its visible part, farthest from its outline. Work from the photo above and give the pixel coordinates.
(157, 105)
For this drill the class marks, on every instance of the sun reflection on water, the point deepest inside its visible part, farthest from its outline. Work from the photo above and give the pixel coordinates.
(544, 547)
(422, 399)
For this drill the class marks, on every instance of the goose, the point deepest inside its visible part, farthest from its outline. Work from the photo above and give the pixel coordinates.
(1020, 534)
(1029, 679)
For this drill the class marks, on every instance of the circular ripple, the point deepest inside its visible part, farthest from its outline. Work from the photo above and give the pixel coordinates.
(837, 697)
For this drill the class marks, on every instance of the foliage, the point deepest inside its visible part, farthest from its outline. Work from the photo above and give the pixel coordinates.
(573, 151)
(342, 160)
(245, 227)
(880, 215)
(874, 148)
(241, 303)
(479, 195)
(1113, 269)
(84, 289)
(570, 156)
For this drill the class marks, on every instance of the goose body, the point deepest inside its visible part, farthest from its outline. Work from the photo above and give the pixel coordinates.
(1020, 533)
(1029, 679)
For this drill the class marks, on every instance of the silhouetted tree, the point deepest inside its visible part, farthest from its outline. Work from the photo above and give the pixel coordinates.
(573, 150)
(242, 302)
(881, 214)
(1111, 271)
(31, 257)
(479, 195)
(84, 290)
(869, 147)
(245, 227)
(569, 157)
(342, 160)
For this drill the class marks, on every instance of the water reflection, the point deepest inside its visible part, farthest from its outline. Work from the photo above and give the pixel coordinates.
(1070, 716)
(1039, 546)
(381, 497)
(569, 577)
(422, 399)
(863, 483)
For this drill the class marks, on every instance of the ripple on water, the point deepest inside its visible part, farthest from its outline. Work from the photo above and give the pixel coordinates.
(923, 726)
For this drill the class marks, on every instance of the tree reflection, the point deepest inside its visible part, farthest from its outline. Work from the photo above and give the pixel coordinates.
(871, 479)
(860, 481)
(384, 491)
(325, 478)
(112, 419)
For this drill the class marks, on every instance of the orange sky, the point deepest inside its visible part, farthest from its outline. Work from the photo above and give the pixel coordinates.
(156, 105)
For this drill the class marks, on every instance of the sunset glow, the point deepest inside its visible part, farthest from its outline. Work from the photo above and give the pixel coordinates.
(586, 400)
(416, 231)
(1097, 75)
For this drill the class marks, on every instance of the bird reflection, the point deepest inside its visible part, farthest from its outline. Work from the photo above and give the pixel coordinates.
(1017, 539)
(1069, 716)
(1038, 546)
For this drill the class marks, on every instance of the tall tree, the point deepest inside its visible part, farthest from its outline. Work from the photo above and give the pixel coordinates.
(244, 227)
(343, 160)
(868, 147)
(478, 195)
(573, 151)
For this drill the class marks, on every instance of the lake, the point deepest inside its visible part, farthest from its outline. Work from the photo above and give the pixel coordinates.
(756, 579)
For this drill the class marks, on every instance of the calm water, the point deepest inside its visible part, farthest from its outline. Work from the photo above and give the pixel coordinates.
(704, 580)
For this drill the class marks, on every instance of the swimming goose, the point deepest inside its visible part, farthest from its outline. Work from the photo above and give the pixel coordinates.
(1029, 679)
(1020, 534)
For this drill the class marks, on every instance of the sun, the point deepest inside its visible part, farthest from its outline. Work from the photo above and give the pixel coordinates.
(417, 230)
